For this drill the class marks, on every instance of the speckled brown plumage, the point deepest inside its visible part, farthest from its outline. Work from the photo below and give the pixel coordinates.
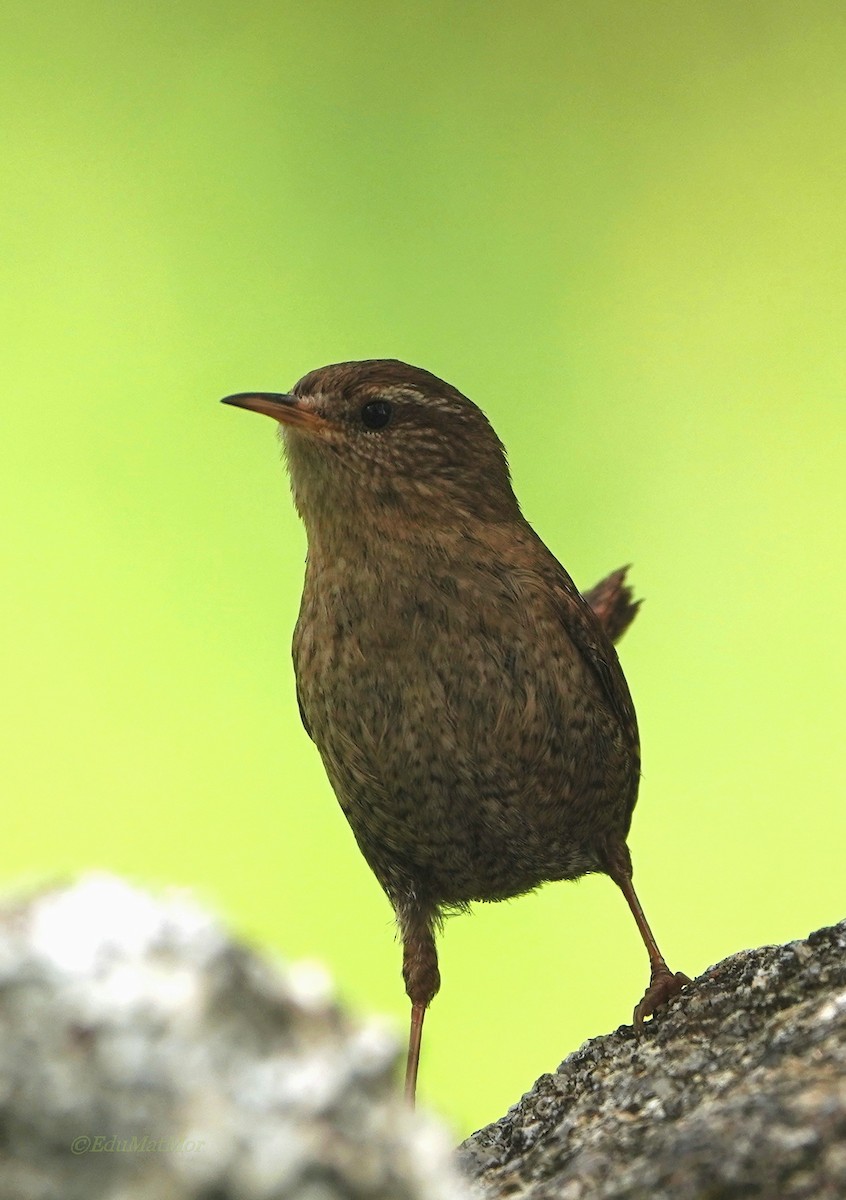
(466, 699)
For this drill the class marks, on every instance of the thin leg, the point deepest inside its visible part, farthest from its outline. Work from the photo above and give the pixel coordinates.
(418, 1012)
(422, 980)
(663, 983)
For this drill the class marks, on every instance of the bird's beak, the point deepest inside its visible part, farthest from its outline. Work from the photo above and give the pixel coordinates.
(288, 409)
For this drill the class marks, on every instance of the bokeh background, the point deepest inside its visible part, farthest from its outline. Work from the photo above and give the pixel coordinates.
(620, 227)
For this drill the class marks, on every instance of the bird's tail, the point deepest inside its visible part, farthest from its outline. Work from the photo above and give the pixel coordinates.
(612, 600)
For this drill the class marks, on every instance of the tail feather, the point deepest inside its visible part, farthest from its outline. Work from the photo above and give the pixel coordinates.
(612, 600)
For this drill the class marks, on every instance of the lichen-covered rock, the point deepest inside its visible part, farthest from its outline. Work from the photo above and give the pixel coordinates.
(739, 1089)
(146, 1056)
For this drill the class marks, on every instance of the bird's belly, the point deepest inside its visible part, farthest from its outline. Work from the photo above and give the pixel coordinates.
(468, 767)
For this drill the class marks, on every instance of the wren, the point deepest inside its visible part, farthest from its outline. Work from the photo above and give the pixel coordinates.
(465, 697)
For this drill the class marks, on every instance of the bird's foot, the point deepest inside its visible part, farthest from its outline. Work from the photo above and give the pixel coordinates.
(662, 987)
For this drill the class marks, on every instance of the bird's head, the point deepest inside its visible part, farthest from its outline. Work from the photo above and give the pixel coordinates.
(384, 441)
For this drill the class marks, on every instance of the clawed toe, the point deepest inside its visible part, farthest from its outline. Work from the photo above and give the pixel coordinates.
(663, 986)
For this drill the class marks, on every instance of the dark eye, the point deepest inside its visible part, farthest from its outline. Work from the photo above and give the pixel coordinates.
(376, 414)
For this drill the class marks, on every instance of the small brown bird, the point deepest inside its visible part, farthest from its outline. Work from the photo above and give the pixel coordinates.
(465, 698)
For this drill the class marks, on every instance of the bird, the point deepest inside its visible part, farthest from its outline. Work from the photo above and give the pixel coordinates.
(466, 699)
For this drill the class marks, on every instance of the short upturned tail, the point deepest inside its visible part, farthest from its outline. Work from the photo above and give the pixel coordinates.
(613, 602)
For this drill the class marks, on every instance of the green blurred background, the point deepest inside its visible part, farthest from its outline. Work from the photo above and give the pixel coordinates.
(617, 226)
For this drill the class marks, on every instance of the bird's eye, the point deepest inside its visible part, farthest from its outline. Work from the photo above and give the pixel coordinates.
(376, 414)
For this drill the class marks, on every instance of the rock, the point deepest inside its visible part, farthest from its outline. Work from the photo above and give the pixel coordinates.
(144, 1055)
(739, 1089)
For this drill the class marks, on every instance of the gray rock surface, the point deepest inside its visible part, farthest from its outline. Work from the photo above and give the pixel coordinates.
(738, 1090)
(144, 1054)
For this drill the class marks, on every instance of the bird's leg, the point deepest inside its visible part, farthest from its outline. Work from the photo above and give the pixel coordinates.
(422, 980)
(663, 983)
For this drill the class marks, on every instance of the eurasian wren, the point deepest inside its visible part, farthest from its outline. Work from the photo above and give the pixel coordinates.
(466, 700)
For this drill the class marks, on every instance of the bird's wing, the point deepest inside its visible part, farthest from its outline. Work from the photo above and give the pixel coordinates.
(303, 718)
(585, 630)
